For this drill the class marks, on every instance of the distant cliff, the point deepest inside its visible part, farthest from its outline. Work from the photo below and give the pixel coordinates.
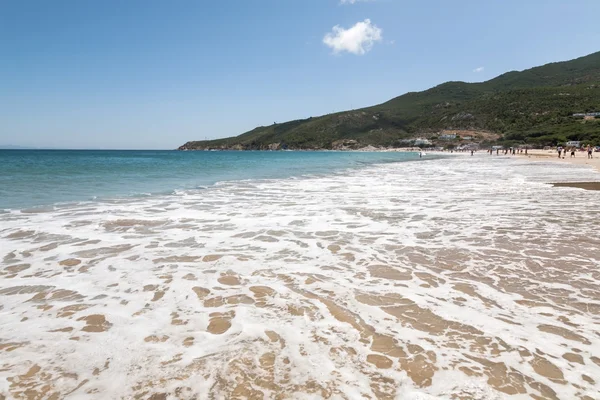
(534, 106)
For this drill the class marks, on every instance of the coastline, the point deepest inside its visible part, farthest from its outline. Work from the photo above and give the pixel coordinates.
(411, 290)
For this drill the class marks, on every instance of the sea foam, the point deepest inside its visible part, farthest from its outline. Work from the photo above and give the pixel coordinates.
(468, 277)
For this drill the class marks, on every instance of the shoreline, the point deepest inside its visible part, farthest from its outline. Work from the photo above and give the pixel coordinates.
(378, 273)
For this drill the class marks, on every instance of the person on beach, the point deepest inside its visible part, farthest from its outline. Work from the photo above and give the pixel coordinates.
(559, 151)
(572, 151)
(589, 149)
(471, 152)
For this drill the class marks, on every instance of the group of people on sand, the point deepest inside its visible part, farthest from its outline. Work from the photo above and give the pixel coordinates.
(509, 151)
(563, 151)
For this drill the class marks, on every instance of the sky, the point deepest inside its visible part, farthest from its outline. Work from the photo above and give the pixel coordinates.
(147, 74)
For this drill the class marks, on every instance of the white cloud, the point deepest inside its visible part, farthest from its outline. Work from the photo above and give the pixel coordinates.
(351, 1)
(479, 69)
(356, 40)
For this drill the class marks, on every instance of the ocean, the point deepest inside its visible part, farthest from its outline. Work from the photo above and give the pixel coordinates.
(304, 275)
(32, 178)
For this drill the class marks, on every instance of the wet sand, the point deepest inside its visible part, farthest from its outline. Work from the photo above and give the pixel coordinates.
(579, 185)
(374, 284)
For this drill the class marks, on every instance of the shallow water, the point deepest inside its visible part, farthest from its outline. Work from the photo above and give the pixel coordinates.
(33, 178)
(463, 278)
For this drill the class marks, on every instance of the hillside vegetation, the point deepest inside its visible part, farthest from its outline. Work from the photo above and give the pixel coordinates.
(534, 106)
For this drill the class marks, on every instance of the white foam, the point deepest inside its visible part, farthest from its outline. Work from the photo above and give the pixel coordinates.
(485, 222)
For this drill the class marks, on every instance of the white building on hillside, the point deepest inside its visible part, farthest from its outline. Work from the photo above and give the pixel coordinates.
(422, 142)
(583, 115)
(448, 136)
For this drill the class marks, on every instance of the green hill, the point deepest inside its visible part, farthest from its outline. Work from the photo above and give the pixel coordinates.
(534, 106)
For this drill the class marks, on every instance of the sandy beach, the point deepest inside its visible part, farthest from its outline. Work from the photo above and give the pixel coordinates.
(551, 155)
(372, 283)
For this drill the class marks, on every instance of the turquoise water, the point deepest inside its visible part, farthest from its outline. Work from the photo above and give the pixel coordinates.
(31, 178)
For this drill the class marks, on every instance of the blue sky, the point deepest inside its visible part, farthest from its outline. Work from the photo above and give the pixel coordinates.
(155, 74)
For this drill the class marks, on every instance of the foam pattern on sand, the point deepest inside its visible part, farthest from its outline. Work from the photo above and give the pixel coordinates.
(461, 278)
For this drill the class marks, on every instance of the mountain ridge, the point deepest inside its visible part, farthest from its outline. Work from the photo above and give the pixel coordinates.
(533, 106)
